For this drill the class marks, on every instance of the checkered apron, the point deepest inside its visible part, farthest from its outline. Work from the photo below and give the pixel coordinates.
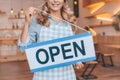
(56, 30)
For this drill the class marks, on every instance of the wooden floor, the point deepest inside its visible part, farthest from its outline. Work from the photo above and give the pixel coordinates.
(20, 71)
(15, 71)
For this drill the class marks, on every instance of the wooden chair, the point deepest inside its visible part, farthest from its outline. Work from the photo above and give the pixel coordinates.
(103, 55)
(90, 66)
(98, 54)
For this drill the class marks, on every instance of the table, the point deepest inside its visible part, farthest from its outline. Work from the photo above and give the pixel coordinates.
(116, 51)
(117, 46)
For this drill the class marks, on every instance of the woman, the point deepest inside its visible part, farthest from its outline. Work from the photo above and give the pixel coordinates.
(43, 26)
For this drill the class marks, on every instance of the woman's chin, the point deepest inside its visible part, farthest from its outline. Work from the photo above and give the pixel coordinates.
(55, 9)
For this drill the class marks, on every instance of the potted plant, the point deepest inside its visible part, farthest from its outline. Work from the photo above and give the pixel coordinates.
(116, 22)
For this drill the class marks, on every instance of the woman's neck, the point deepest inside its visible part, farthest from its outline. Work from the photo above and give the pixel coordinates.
(55, 14)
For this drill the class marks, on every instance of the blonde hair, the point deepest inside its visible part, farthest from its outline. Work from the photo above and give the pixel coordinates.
(66, 13)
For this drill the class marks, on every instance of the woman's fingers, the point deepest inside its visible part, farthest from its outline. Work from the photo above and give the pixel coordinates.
(31, 11)
(29, 14)
(79, 65)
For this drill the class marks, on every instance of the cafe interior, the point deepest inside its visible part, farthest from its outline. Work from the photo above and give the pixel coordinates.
(100, 17)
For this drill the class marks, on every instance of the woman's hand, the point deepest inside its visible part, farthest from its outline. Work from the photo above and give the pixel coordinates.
(28, 18)
(29, 15)
(78, 65)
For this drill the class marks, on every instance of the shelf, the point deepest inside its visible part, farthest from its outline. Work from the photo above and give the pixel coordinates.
(18, 57)
(10, 29)
(94, 3)
(13, 38)
(15, 18)
(102, 25)
(2, 12)
(103, 15)
(90, 17)
(9, 41)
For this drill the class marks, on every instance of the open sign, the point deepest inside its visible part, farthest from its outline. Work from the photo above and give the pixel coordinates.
(60, 52)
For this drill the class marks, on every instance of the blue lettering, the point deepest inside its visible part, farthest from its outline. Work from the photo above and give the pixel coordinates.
(52, 53)
(64, 51)
(77, 47)
(46, 54)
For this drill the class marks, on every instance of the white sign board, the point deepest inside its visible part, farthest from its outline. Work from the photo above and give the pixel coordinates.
(60, 52)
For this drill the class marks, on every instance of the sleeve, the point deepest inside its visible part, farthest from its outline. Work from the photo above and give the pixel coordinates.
(32, 35)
